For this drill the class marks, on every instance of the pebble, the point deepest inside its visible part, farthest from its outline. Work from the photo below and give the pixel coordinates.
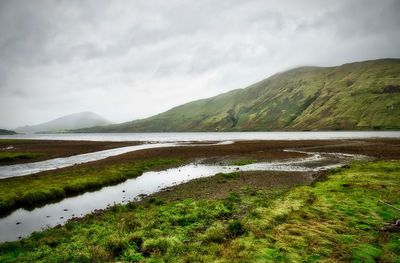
(18, 223)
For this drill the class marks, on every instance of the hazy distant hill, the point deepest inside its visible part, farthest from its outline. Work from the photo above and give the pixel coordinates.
(6, 132)
(362, 95)
(72, 121)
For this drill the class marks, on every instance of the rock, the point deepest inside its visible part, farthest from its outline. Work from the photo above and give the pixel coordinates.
(18, 223)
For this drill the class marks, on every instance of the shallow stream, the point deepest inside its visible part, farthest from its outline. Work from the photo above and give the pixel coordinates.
(22, 222)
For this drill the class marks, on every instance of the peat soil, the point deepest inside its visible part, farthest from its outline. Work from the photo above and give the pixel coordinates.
(263, 150)
(50, 149)
(383, 149)
(220, 185)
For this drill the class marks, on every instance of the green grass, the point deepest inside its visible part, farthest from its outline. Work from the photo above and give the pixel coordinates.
(32, 190)
(17, 156)
(355, 96)
(336, 220)
(243, 162)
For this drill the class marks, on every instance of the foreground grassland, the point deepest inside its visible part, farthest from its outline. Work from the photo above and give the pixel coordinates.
(339, 219)
(32, 190)
(15, 156)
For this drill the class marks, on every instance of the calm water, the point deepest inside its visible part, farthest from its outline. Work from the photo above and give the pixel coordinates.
(14, 170)
(209, 136)
(148, 183)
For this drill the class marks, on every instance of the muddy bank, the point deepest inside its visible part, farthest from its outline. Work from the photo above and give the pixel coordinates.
(263, 150)
(48, 149)
(384, 149)
(220, 185)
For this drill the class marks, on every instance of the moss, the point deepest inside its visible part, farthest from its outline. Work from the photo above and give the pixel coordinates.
(336, 220)
(243, 162)
(28, 191)
(215, 233)
(16, 156)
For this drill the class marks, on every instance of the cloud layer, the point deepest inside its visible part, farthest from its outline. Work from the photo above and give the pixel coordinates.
(131, 59)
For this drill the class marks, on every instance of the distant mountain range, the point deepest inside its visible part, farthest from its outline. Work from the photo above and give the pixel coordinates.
(6, 132)
(68, 122)
(356, 96)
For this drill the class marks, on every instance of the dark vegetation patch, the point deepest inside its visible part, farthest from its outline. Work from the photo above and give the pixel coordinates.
(389, 89)
(8, 157)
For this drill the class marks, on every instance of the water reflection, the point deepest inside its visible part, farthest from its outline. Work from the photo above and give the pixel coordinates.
(22, 222)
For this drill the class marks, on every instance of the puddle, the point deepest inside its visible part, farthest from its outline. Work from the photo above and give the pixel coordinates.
(22, 223)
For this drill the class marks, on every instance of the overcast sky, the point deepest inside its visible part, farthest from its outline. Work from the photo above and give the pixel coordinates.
(131, 59)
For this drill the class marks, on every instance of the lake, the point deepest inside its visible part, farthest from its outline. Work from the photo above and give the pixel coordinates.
(208, 136)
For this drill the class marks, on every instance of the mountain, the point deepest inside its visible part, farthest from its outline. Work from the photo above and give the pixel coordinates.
(6, 132)
(356, 96)
(68, 122)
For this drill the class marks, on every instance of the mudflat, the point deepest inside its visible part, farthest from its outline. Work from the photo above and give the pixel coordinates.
(41, 150)
(263, 150)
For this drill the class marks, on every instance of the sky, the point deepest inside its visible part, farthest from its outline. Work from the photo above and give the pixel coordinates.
(127, 60)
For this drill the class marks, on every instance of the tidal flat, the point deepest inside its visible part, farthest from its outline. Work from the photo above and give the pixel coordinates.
(337, 215)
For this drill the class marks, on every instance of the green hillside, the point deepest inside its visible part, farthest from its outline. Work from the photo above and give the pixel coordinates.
(357, 96)
(6, 132)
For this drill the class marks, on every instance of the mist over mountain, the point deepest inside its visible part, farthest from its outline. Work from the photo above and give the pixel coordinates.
(355, 96)
(68, 122)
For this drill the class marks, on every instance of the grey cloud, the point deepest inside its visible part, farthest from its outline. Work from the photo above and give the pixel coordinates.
(58, 57)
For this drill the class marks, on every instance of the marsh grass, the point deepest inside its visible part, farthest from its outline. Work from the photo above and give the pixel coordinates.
(30, 191)
(243, 162)
(336, 220)
(17, 156)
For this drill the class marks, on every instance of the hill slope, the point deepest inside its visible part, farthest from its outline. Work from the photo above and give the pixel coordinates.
(72, 121)
(362, 96)
(6, 132)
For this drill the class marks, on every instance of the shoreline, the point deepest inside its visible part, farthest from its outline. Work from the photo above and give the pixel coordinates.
(291, 222)
(224, 153)
(51, 149)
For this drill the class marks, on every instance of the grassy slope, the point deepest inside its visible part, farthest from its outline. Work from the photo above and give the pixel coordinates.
(335, 220)
(363, 95)
(35, 189)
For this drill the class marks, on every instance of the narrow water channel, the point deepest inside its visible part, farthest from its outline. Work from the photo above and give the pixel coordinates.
(16, 170)
(22, 223)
